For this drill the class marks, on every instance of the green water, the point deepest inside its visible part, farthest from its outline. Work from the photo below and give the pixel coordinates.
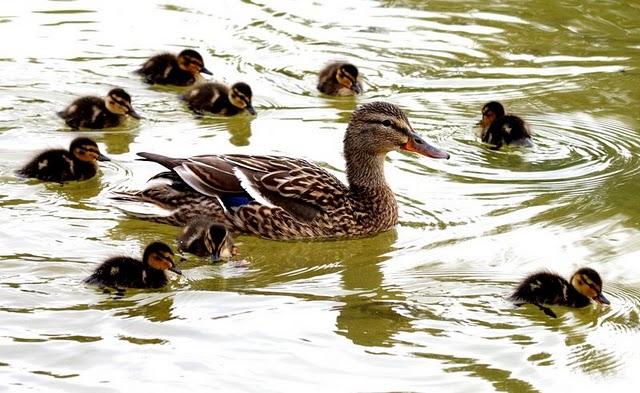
(421, 308)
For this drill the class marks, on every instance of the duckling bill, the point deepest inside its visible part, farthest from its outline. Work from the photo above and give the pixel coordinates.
(205, 238)
(59, 165)
(498, 128)
(340, 79)
(220, 99)
(99, 112)
(127, 272)
(545, 288)
(169, 69)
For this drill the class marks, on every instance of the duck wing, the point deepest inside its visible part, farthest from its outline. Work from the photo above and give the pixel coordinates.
(295, 185)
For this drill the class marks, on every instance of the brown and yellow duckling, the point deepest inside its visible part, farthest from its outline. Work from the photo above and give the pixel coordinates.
(80, 162)
(551, 289)
(498, 128)
(99, 112)
(205, 238)
(127, 272)
(219, 99)
(340, 79)
(169, 69)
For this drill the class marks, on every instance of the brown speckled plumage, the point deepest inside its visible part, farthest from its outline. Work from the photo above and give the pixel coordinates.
(289, 198)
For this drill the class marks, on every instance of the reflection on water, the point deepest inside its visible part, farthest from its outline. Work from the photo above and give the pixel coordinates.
(420, 308)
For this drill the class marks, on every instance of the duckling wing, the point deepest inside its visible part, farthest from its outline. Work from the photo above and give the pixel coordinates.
(51, 165)
(118, 272)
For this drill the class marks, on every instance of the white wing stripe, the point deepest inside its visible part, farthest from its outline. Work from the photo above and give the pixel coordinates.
(245, 183)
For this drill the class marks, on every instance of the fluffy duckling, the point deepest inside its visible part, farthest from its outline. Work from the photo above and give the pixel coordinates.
(218, 98)
(129, 272)
(340, 79)
(99, 112)
(204, 238)
(498, 128)
(59, 165)
(549, 288)
(169, 69)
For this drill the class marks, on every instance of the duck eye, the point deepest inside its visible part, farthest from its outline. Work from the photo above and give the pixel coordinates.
(386, 123)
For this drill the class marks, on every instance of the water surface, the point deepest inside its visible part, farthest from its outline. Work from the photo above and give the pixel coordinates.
(420, 308)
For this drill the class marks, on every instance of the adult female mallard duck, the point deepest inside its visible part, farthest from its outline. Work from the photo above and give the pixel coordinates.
(289, 198)
(169, 69)
(219, 99)
(59, 165)
(99, 112)
(551, 289)
(205, 238)
(127, 272)
(498, 128)
(340, 79)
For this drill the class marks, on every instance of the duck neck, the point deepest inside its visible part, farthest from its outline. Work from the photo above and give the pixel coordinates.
(575, 298)
(85, 169)
(154, 278)
(365, 171)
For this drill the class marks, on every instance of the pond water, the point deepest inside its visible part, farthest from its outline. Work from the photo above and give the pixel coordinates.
(420, 308)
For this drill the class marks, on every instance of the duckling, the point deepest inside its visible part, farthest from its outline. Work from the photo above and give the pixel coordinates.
(59, 165)
(169, 69)
(549, 288)
(498, 128)
(218, 98)
(129, 272)
(98, 112)
(340, 79)
(204, 238)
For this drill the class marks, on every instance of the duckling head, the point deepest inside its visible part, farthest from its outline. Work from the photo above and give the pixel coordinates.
(191, 61)
(588, 283)
(160, 256)
(218, 241)
(119, 101)
(240, 96)
(85, 149)
(491, 111)
(347, 76)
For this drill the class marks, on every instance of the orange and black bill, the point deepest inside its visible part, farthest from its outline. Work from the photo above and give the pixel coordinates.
(418, 145)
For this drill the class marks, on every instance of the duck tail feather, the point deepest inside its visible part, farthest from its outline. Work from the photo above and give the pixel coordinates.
(165, 161)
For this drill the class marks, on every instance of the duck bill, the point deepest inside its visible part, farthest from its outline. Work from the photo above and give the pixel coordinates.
(175, 270)
(134, 114)
(601, 299)
(102, 157)
(356, 88)
(250, 109)
(418, 145)
(204, 70)
(215, 257)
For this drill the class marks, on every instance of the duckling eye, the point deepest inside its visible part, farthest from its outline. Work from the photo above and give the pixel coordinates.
(386, 123)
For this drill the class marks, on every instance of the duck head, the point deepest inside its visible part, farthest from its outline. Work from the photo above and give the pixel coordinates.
(159, 256)
(588, 283)
(347, 76)
(191, 61)
(119, 101)
(491, 111)
(85, 149)
(379, 127)
(218, 241)
(240, 96)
